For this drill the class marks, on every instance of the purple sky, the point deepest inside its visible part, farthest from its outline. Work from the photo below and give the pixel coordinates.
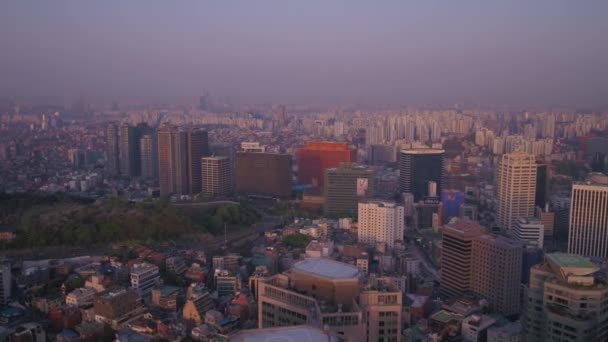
(501, 52)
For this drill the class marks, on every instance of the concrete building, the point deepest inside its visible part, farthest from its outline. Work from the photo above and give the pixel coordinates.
(418, 167)
(475, 328)
(81, 297)
(380, 222)
(547, 217)
(496, 272)
(316, 292)
(345, 186)
(300, 333)
(149, 156)
(382, 312)
(566, 301)
(529, 231)
(165, 297)
(197, 303)
(318, 156)
(112, 149)
(510, 332)
(457, 252)
(115, 307)
(515, 188)
(264, 174)
(588, 229)
(144, 277)
(215, 176)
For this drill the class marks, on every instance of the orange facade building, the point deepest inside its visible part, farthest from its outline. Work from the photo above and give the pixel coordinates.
(317, 156)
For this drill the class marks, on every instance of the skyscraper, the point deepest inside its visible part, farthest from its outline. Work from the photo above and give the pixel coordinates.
(215, 176)
(167, 139)
(345, 186)
(542, 185)
(496, 272)
(113, 149)
(127, 150)
(317, 156)
(515, 188)
(148, 149)
(197, 146)
(588, 230)
(418, 167)
(380, 222)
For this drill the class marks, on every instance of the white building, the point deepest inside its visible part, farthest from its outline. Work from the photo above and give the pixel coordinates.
(81, 297)
(515, 188)
(380, 222)
(588, 229)
(474, 328)
(530, 231)
(143, 277)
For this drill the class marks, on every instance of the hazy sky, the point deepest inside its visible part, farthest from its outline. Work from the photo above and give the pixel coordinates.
(516, 52)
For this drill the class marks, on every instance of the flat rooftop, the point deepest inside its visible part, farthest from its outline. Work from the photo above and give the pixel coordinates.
(327, 268)
(423, 151)
(570, 260)
(300, 333)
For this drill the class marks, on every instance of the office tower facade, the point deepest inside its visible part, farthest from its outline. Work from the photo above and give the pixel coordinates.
(215, 176)
(457, 252)
(113, 149)
(588, 228)
(345, 186)
(496, 272)
(382, 311)
(542, 185)
(566, 301)
(418, 167)
(529, 231)
(5, 284)
(129, 149)
(380, 222)
(264, 174)
(179, 159)
(515, 188)
(197, 146)
(380, 154)
(148, 148)
(547, 217)
(317, 156)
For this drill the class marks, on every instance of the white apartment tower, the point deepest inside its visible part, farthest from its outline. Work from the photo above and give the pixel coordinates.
(515, 188)
(380, 221)
(588, 232)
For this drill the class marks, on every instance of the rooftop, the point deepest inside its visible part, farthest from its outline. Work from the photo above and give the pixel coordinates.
(570, 260)
(291, 334)
(327, 268)
(423, 151)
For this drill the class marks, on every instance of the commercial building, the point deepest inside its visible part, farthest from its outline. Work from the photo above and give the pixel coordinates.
(197, 146)
(475, 328)
(144, 277)
(547, 217)
(317, 156)
(197, 303)
(542, 185)
(165, 297)
(345, 186)
(380, 222)
(496, 272)
(264, 174)
(515, 188)
(300, 333)
(117, 306)
(529, 231)
(418, 167)
(588, 229)
(566, 301)
(380, 154)
(215, 176)
(457, 254)
(112, 149)
(81, 297)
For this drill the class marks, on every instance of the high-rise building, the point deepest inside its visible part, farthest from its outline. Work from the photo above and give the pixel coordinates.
(197, 146)
(496, 272)
(380, 154)
(264, 174)
(345, 186)
(547, 217)
(129, 149)
(457, 252)
(380, 222)
(515, 188)
(566, 301)
(215, 176)
(113, 149)
(317, 156)
(149, 156)
(418, 167)
(588, 229)
(529, 231)
(179, 159)
(542, 185)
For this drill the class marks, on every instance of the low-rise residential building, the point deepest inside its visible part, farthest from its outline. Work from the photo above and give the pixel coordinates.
(82, 297)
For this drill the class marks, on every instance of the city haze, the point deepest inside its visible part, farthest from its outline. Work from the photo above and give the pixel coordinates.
(515, 53)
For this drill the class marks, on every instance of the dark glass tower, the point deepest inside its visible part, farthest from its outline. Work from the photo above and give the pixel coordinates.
(541, 185)
(418, 167)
